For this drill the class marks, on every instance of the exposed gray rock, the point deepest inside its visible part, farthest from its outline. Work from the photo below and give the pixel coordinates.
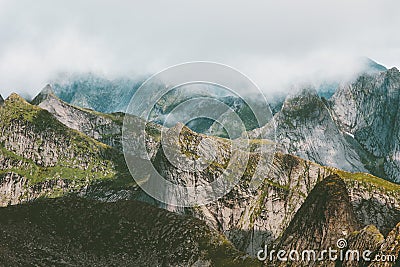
(305, 127)
(41, 154)
(15, 189)
(368, 110)
(102, 127)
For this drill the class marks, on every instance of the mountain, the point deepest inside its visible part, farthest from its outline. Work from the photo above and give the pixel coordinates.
(1, 101)
(40, 156)
(327, 220)
(287, 178)
(371, 66)
(99, 93)
(73, 231)
(366, 65)
(390, 246)
(49, 150)
(207, 104)
(368, 110)
(96, 92)
(305, 127)
(105, 128)
(356, 130)
(325, 217)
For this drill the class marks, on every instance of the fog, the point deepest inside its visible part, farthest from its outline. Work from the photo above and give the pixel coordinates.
(274, 43)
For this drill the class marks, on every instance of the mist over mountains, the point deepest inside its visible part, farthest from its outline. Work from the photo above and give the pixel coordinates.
(51, 149)
(317, 134)
(113, 95)
(200, 133)
(332, 174)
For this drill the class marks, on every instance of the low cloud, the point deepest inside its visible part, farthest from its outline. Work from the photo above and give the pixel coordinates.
(274, 43)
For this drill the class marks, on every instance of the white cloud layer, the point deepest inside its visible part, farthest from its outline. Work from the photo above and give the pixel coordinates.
(273, 42)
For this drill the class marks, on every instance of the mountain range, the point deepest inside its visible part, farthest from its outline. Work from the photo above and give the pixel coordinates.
(69, 199)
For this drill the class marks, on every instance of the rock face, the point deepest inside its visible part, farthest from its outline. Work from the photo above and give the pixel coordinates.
(77, 232)
(35, 148)
(305, 127)
(356, 130)
(368, 109)
(15, 189)
(102, 127)
(250, 217)
(1, 101)
(325, 217)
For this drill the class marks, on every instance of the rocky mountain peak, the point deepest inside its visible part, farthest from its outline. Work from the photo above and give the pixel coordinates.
(393, 77)
(1, 101)
(391, 246)
(304, 100)
(46, 93)
(368, 109)
(305, 127)
(370, 66)
(326, 216)
(48, 89)
(393, 70)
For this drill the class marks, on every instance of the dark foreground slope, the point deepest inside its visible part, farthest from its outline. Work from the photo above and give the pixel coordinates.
(327, 221)
(72, 231)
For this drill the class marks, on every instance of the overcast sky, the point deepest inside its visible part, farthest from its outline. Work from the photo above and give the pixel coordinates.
(273, 42)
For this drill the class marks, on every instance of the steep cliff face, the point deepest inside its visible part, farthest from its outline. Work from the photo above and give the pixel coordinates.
(105, 128)
(250, 217)
(102, 127)
(305, 127)
(368, 109)
(327, 221)
(36, 147)
(356, 130)
(77, 232)
(325, 217)
(16, 189)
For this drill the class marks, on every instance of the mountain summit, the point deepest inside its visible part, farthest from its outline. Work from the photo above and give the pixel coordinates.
(368, 110)
(326, 216)
(305, 127)
(45, 93)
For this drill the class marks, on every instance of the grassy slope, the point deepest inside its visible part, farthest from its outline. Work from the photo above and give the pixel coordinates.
(101, 161)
